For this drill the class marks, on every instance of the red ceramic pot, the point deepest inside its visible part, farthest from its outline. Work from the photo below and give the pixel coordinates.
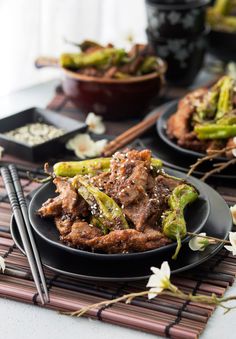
(112, 98)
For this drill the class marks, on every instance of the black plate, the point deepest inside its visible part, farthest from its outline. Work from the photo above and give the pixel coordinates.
(196, 216)
(161, 129)
(178, 158)
(219, 224)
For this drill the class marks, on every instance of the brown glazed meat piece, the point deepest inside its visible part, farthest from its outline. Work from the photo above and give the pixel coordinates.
(178, 125)
(129, 240)
(80, 233)
(128, 183)
(68, 201)
(63, 224)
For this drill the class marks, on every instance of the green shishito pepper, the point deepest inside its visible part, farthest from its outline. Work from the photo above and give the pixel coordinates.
(215, 131)
(217, 102)
(90, 167)
(225, 102)
(109, 56)
(173, 223)
(106, 213)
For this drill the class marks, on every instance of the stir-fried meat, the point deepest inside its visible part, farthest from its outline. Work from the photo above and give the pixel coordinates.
(128, 183)
(120, 241)
(100, 180)
(63, 224)
(80, 233)
(139, 192)
(68, 201)
(51, 208)
(178, 125)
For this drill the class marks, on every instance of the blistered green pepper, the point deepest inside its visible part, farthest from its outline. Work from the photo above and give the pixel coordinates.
(215, 131)
(149, 65)
(228, 119)
(91, 167)
(101, 57)
(173, 223)
(225, 102)
(207, 109)
(105, 210)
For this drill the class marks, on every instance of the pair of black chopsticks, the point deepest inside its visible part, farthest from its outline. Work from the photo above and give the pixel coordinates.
(18, 203)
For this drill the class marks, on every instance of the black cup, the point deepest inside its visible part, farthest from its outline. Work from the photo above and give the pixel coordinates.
(176, 19)
(184, 56)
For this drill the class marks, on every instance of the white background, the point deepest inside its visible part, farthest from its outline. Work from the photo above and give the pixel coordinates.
(29, 28)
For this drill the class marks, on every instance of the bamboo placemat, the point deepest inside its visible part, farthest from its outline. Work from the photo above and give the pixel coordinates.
(165, 316)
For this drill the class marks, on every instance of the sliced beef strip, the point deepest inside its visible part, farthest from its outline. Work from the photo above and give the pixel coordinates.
(63, 224)
(51, 208)
(178, 125)
(67, 202)
(128, 182)
(129, 240)
(80, 233)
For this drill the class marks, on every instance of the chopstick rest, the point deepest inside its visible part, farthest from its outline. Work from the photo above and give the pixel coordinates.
(21, 227)
(24, 211)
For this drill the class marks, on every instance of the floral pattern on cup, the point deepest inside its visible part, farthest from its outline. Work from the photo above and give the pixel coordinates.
(180, 49)
(157, 19)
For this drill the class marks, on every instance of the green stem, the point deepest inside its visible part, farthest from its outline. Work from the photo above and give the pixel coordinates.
(178, 247)
(209, 237)
(172, 291)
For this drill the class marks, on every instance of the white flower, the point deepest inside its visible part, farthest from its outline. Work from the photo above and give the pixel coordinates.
(84, 146)
(232, 239)
(2, 264)
(198, 243)
(95, 124)
(160, 280)
(233, 213)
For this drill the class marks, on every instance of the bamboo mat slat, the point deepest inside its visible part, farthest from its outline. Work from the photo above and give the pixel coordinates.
(166, 316)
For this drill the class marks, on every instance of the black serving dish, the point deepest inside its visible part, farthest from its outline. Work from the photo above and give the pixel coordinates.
(161, 129)
(41, 151)
(172, 158)
(195, 216)
(218, 224)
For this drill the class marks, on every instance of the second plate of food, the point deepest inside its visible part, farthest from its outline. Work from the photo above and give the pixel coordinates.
(202, 122)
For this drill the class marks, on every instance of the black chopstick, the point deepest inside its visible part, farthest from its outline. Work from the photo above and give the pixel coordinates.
(24, 211)
(21, 227)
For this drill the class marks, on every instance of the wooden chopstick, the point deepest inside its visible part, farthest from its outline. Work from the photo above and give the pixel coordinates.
(132, 133)
(22, 228)
(24, 211)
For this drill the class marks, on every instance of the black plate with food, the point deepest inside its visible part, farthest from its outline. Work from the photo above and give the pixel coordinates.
(117, 212)
(113, 208)
(190, 154)
(195, 216)
(218, 225)
(202, 122)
